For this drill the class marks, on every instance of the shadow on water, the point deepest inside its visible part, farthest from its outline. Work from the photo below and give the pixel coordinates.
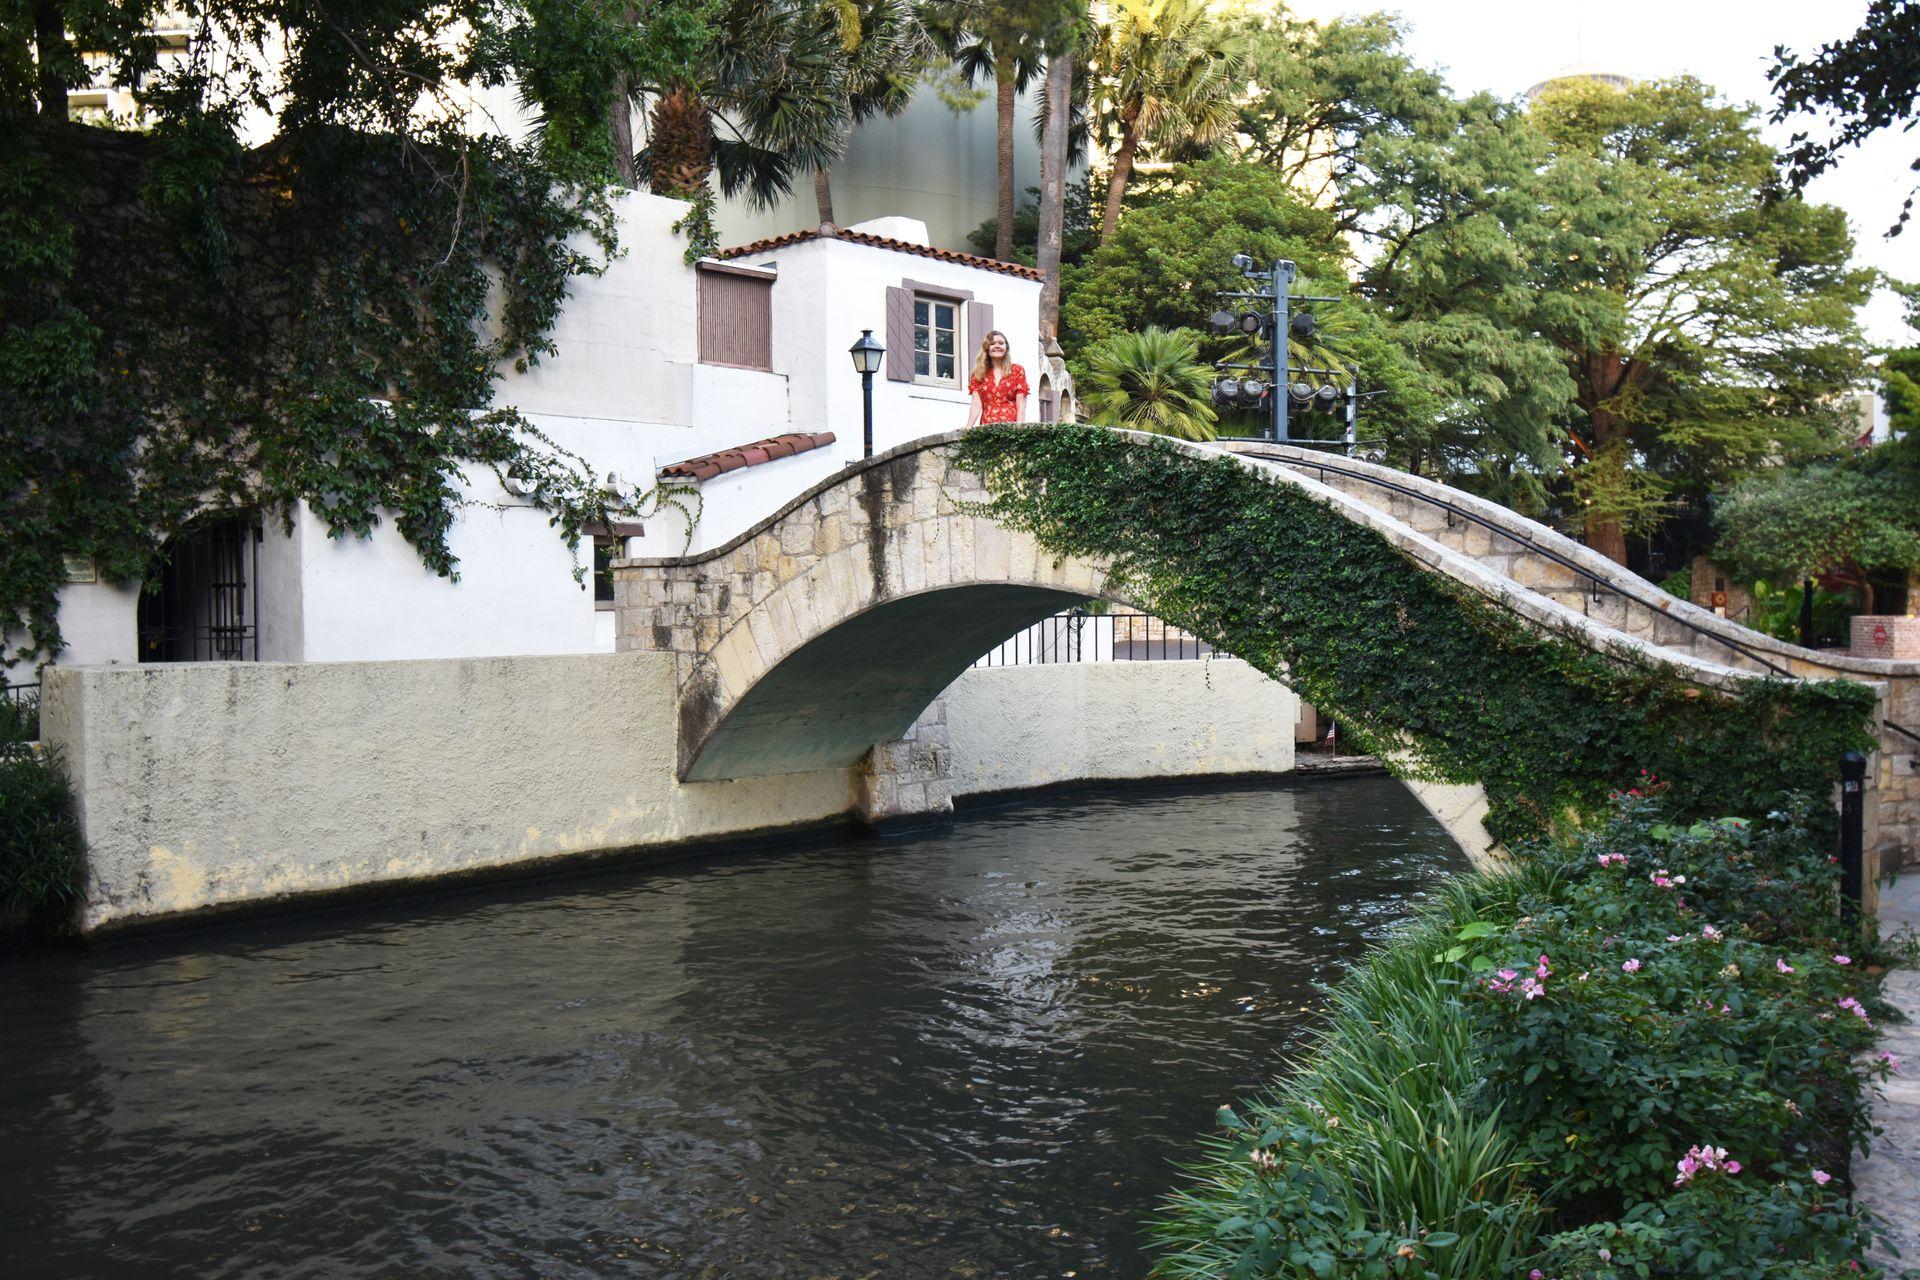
(971, 1052)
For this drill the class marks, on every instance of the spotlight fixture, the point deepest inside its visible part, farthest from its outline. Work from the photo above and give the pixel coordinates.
(1327, 398)
(1303, 324)
(1252, 322)
(1300, 392)
(1225, 322)
(1229, 388)
(1251, 389)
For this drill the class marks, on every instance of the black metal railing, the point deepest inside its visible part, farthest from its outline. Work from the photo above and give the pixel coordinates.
(22, 710)
(1080, 636)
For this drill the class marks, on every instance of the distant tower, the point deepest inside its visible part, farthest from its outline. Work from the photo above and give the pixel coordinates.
(1579, 75)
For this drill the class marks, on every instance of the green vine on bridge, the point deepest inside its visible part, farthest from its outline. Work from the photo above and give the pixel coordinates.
(1441, 680)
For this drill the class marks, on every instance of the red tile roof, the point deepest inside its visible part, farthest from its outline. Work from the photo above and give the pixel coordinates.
(709, 465)
(829, 232)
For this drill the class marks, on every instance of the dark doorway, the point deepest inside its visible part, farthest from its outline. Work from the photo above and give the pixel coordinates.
(205, 605)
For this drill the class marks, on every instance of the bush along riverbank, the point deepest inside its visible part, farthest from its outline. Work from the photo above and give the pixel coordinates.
(41, 852)
(1644, 1050)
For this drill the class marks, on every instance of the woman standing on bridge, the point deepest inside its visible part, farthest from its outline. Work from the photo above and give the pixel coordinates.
(998, 385)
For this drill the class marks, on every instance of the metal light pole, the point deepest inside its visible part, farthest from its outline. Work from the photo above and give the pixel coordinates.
(866, 355)
(1282, 286)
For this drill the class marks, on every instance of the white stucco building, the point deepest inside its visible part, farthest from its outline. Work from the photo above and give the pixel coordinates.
(658, 363)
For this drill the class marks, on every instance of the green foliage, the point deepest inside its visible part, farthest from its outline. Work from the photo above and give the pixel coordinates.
(1516, 1081)
(1077, 240)
(1170, 254)
(192, 325)
(1848, 518)
(1690, 997)
(40, 847)
(1150, 381)
(1706, 327)
(1162, 75)
(1865, 83)
(1372, 1160)
(1421, 669)
(1776, 612)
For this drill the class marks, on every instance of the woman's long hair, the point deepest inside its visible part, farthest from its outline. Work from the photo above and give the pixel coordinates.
(983, 362)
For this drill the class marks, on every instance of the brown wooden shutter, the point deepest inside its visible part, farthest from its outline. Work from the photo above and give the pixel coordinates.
(899, 337)
(979, 324)
(736, 320)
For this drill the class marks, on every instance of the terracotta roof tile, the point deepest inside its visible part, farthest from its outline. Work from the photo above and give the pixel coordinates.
(882, 242)
(709, 465)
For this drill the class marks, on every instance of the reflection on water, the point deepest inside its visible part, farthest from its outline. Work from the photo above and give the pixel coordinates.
(970, 1053)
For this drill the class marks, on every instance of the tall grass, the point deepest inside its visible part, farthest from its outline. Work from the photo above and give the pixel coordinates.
(1374, 1159)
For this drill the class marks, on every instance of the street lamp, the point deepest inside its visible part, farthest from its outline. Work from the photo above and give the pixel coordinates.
(866, 355)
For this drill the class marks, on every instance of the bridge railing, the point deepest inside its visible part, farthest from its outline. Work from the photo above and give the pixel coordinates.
(1082, 636)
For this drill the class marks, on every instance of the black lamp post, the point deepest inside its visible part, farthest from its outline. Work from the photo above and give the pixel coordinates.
(866, 355)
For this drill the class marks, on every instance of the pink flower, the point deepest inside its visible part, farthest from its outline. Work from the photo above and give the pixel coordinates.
(1543, 970)
(1701, 1159)
(1821, 1177)
(1855, 1008)
(1532, 987)
(1536, 1274)
(1673, 937)
(1893, 1063)
(1843, 959)
(1612, 859)
(1783, 966)
(1631, 966)
(1710, 933)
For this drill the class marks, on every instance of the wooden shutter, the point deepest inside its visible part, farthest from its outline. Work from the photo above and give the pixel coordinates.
(899, 337)
(736, 320)
(979, 323)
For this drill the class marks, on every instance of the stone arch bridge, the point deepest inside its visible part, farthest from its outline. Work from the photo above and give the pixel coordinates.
(817, 638)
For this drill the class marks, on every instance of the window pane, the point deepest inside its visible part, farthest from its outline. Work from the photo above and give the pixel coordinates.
(919, 311)
(920, 363)
(946, 367)
(603, 556)
(943, 342)
(943, 314)
(920, 342)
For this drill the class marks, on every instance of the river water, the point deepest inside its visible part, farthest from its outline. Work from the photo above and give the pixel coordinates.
(969, 1053)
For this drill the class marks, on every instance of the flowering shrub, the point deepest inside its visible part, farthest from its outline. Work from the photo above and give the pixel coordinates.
(1645, 1041)
(1698, 1010)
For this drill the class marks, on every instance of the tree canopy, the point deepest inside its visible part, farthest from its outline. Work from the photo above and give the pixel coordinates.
(297, 280)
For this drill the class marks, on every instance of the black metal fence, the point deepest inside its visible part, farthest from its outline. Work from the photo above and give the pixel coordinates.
(22, 712)
(1079, 636)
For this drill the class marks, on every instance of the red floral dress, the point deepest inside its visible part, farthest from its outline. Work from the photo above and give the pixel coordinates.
(999, 397)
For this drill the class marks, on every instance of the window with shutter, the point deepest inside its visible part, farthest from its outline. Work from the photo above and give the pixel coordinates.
(736, 317)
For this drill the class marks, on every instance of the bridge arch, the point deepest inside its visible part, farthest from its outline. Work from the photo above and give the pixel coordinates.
(832, 625)
(824, 630)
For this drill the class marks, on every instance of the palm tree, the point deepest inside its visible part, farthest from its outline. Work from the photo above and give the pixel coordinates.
(886, 46)
(1007, 39)
(1164, 72)
(1150, 381)
(767, 99)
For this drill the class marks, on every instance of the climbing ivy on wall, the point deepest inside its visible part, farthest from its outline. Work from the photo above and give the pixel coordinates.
(1450, 685)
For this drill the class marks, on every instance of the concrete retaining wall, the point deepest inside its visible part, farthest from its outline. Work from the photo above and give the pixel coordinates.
(209, 786)
(1017, 727)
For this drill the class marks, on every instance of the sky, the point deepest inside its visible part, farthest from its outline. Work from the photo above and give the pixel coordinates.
(1505, 46)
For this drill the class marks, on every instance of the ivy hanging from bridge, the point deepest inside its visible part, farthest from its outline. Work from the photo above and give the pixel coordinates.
(1422, 670)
